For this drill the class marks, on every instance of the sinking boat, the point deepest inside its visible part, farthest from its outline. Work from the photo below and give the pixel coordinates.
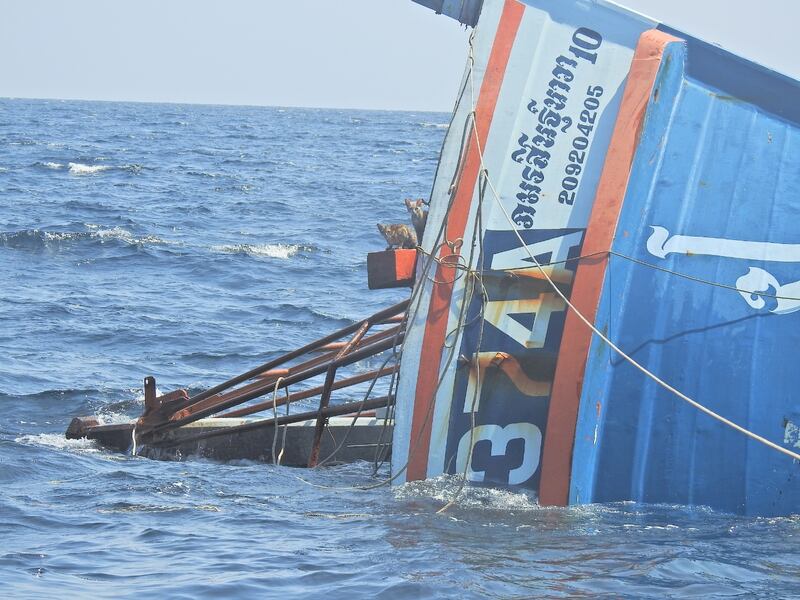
(604, 297)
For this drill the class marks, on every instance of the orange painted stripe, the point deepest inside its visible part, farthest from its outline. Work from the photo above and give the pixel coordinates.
(435, 328)
(573, 354)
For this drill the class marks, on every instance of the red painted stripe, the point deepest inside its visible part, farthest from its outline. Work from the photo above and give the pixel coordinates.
(573, 353)
(435, 328)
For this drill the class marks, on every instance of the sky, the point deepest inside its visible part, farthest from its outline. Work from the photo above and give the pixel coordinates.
(379, 54)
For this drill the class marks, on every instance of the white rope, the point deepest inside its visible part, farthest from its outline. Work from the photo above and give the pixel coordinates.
(133, 437)
(586, 321)
(276, 459)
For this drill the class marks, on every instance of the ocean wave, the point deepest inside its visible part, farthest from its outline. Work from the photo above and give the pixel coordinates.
(110, 417)
(81, 169)
(434, 125)
(59, 442)
(132, 507)
(203, 174)
(268, 250)
(33, 239)
(293, 314)
(50, 165)
(123, 235)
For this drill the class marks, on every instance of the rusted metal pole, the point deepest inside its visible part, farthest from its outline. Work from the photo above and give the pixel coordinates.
(268, 386)
(180, 418)
(379, 316)
(150, 403)
(310, 393)
(333, 347)
(395, 319)
(274, 373)
(327, 388)
(331, 411)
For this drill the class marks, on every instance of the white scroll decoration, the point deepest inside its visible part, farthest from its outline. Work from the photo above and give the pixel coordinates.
(756, 282)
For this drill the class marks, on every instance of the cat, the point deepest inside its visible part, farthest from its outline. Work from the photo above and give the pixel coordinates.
(419, 216)
(398, 235)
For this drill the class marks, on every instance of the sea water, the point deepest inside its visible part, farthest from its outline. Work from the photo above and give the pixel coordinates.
(192, 243)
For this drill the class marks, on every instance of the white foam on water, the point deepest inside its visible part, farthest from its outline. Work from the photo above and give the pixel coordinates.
(269, 250)
(113, 418)
(96, 232)
(123, 235)
(81, 169)
(56, 236)
(59, 442)
(339, 516)
(115, 233)
(138, 394)
(444, 488)
(52, 165)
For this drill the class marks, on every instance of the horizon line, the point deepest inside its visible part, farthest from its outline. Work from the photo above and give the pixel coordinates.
(224, 104)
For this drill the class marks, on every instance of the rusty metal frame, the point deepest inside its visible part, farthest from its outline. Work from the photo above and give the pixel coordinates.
(161, 417)
(310, 393)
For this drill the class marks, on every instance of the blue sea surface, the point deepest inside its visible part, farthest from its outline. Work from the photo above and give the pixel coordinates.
(192, 243)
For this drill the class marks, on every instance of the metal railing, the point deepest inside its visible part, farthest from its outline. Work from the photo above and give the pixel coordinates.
(165, 413)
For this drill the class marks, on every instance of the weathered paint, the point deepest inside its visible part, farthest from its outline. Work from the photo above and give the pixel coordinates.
(573, 354)
(456, 221)
(452, 149)
(539, 64)
(712, 194)
(700, 177)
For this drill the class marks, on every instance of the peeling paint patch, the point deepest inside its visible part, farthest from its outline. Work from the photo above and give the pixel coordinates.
(597, 423)
(791, 435)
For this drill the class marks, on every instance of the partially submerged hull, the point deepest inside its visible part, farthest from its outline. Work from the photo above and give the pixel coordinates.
(346, 440)
(656, 177)
(209, 423)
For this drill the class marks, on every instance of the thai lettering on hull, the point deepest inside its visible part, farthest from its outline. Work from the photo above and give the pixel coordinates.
(535, 149)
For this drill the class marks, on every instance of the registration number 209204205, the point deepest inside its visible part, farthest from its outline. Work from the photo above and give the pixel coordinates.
(577, 155)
